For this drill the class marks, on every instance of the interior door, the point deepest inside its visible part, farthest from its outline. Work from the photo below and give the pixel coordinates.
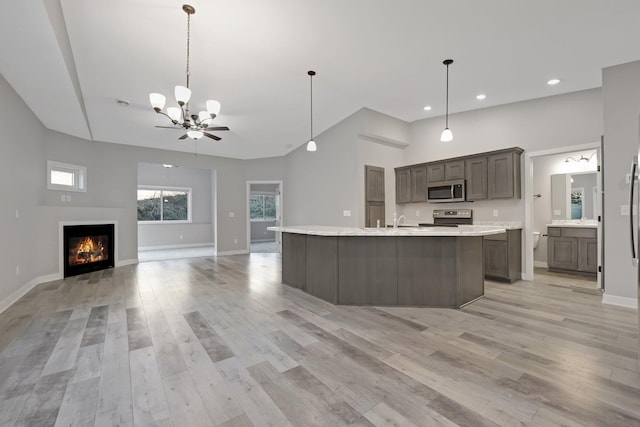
(374, 196)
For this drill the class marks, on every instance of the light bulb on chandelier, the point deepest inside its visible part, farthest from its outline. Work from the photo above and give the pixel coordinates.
(195, 125)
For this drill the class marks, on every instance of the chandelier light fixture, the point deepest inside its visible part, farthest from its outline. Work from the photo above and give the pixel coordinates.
(311, 145)
(195, 125)
(446, 134)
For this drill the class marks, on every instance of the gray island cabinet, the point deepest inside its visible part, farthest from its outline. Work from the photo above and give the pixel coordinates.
(388, 267)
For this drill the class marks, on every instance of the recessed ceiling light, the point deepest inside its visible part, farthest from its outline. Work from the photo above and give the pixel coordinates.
(427, 108)
(122, 102)
(481, 96)
(553, 82)
(168, 166)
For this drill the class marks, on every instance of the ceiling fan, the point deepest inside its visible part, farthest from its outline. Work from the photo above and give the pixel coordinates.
(195, 125)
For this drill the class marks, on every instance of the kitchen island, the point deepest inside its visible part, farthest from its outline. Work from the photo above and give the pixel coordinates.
(431, 267)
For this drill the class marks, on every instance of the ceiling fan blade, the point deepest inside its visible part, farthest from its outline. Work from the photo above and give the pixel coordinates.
(169, 127)
(217, 128)
(217, 138)
(183, 136)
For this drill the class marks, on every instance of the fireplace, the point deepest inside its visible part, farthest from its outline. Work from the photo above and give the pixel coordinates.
(87, 248)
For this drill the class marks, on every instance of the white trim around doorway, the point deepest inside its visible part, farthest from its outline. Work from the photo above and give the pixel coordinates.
(248, 216)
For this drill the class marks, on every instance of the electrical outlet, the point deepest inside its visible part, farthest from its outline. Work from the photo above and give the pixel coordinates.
(235, 241)
(181, 237)
(495, 212)
(417, 213)
(232, 214)
(68, 197)
(17, 270)
(346, 213)
(17, 213)
(624, 210)
(63, 197)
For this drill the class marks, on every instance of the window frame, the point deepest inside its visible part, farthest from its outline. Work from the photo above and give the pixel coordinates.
(161, 188)
(79, 176)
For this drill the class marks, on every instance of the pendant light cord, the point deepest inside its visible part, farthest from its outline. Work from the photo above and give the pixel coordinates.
(447, 101)
(311, 73)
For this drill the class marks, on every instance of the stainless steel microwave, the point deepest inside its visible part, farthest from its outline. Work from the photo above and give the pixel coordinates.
(446, 191)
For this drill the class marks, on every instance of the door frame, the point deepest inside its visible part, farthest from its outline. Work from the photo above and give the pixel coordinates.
(279, 211)
(527, 241)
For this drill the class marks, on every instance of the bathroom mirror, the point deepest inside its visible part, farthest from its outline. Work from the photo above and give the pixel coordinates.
(574, 195)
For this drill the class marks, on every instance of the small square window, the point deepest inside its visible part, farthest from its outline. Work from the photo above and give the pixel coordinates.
(66, 177)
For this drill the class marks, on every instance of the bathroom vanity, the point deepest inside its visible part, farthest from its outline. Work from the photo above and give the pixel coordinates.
(572, 248)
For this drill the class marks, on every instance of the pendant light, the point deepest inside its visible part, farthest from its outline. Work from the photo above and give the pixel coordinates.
(446, 134)
(311, 145)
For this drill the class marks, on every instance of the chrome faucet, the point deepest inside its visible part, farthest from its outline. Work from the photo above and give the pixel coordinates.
(397, 221)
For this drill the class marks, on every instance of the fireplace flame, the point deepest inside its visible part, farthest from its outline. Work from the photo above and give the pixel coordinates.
(89, 251)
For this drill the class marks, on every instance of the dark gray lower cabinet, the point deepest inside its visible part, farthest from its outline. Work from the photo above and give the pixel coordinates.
(367, 270)
(322, 267)
(434, 271)
(572, 249)
(294, 271)
(503, 256)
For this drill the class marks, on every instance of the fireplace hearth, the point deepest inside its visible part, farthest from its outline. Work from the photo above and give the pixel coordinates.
(87, 248)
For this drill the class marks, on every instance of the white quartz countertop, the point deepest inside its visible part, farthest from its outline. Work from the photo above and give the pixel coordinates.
(324, 230)
(591, 224)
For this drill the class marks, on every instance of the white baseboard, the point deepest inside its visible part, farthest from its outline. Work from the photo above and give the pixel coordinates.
(22, 290)
(263, 240)
(620, 301)
(124, 262)
(17, 294)
(540, 264)
(238, 252)
(189, 245)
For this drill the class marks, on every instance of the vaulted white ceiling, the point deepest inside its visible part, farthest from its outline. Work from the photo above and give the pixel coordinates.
(70, 60)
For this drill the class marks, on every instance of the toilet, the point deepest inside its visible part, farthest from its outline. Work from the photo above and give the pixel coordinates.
(536, 239)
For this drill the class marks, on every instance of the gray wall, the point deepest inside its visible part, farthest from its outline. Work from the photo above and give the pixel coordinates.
(200, 230)
(22, 175)
(621, 95)
(320, 186)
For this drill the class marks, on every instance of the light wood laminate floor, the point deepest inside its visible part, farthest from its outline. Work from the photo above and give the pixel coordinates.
(220, 342)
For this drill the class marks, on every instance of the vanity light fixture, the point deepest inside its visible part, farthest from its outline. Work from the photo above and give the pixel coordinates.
(427, 108)
(582, 157)
(311, 145)
(446, 134)
(481, 96)
(553, 82)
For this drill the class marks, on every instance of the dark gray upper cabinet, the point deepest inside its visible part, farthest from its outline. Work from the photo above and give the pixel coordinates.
(503, 180)
(445, 171)
(476, 173)
(490, 175)
(435, 172)
(403, 185)
(419, 183)
(454, 170)
(411, 184)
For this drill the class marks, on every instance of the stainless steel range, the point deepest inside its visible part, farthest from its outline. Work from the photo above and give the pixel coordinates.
(450, 218)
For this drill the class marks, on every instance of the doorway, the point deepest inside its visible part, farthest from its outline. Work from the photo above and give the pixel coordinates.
(264, 210)
(563, 188)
